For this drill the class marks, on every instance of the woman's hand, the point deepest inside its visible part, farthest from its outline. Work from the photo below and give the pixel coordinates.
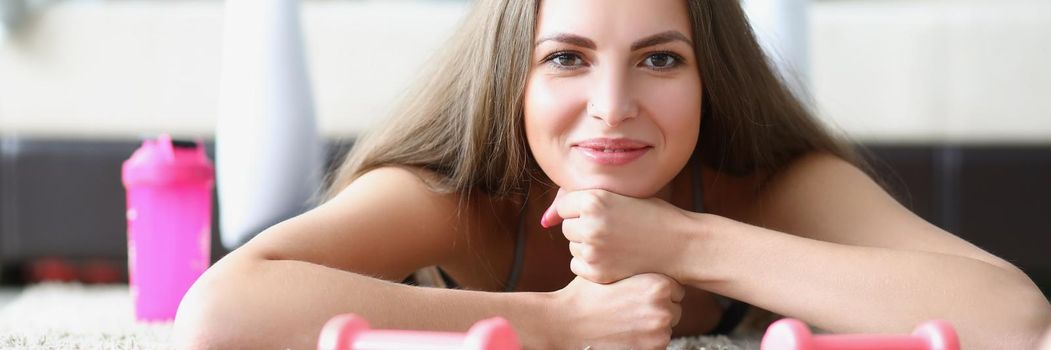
(613, 237)
(637, 312)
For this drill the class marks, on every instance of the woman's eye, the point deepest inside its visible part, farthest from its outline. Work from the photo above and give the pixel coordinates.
(661, 61)
(566, 60)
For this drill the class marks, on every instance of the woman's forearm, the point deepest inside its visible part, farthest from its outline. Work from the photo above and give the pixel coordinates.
(256, 303)
(844, 288)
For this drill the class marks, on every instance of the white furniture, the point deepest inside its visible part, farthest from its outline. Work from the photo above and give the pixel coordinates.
(269, 158)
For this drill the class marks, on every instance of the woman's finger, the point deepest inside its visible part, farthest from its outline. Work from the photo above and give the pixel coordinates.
(551, 217)
(580, 268)
(676, 315)
(573, 228)
(577, 249)
(678, 292)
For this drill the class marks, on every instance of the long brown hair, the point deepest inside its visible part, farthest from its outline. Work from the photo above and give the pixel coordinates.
(463, 121)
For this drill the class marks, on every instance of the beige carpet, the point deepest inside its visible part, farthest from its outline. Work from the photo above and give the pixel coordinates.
(71, 316)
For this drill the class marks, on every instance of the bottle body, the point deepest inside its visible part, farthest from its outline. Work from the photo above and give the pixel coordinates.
(169, 213)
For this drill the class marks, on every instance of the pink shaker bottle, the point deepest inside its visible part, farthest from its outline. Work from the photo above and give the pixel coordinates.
(169, 193)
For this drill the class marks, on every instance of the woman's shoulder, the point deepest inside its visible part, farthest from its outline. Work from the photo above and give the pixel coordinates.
(807, 180)
(387, 222)
(813, 168)
(403, 187)
(417, 187)
(400, 175)
(744, 197)
(467, 227)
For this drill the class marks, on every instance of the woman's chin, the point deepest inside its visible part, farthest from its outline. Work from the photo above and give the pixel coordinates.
(626, 187)
(639, 179)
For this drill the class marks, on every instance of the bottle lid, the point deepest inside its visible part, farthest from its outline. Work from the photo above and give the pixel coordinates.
(164, 161)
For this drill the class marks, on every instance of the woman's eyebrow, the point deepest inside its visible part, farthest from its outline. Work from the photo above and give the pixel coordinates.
(661, 38)
(567, 38)
(656, 39)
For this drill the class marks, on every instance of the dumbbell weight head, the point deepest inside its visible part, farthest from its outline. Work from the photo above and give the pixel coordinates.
(491, 334)
(939, 335)
(340, 331)
(787, 334)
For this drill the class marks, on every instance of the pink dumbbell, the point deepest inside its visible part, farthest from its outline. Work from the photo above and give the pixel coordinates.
(790, 334)
(350, 332)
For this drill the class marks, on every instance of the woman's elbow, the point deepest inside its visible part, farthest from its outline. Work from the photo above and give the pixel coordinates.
(1046, 345)
(1043, 326)
(206, 317)
(1034, 319)
(196, 325)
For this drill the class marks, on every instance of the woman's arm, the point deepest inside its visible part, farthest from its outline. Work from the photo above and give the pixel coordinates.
(1046, 345)
(253, 303)
(279, 289)
(856, 261)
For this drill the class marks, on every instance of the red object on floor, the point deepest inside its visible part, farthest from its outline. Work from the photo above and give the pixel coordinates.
(51, 269)
(100, 272)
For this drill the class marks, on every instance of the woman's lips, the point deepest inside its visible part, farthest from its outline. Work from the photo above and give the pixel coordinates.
(612, 151)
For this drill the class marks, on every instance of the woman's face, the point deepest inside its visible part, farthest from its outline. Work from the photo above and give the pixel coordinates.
(613, 99)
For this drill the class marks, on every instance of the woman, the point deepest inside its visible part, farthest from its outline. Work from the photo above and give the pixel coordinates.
(617, 167)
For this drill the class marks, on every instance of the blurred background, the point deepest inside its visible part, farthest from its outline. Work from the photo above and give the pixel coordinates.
(951, 98)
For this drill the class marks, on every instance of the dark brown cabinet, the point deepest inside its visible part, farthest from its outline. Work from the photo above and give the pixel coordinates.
(64, 198)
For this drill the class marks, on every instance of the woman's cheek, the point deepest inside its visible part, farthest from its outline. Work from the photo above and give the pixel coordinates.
(552, 108)
(680, 119)
(547, 119)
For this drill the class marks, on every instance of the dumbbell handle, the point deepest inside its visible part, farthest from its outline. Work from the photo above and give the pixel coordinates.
(791, 334)
(392, 340)
(350, 332)
(868, 342)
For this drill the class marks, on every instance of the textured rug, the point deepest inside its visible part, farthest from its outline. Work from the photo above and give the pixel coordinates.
(72, 316)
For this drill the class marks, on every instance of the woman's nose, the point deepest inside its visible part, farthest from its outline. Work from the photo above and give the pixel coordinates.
(612, 101)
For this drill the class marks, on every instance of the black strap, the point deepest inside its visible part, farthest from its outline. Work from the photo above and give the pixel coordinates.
(732, 317)
(519, 257)
(449, 281)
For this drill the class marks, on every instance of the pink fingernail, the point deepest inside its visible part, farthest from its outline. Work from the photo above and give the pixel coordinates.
(545, 221)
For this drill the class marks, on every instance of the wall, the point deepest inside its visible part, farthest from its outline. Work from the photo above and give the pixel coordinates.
(883, 71)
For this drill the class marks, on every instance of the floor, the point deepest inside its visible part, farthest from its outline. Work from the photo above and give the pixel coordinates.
(41, 319)
(7, 295)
